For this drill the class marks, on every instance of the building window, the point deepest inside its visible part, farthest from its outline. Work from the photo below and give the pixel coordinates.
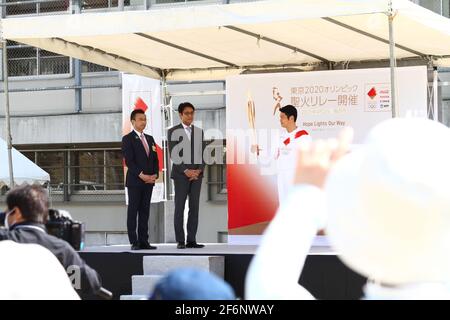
(114, 178)
(24, 60)
(90, 173)
(100, 4)
(53, 163)
(217, 182)
(174, 1)
(24, 8)
(441, 7)
(217, 171)
(52, 63)
(92, 67)
(86, 170)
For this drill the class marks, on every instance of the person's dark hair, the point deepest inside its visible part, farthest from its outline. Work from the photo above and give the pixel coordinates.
(185, 105)
(135, 112)
(32, 200)
(289, 111)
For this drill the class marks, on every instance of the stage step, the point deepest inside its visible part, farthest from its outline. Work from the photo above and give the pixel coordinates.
(156, 267)
(143, 285)
(134, 297)
(160, 265)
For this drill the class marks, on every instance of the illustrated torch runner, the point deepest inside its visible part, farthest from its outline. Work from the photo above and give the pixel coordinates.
(251, 122)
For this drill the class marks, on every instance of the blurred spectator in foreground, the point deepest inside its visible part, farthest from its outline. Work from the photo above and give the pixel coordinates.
(25, 221)
(386, 209)
(192, 284)
(31, 272)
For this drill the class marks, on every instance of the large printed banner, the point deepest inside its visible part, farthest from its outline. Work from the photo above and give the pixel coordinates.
(326, 101)
(144, 93)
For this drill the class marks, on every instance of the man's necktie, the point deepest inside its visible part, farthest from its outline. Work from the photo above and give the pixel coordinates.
(144, 142)
(189, 130)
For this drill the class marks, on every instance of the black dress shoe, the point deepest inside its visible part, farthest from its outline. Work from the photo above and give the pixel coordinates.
(135, 247)
(194, 245)
(147, 246)
(181, 245)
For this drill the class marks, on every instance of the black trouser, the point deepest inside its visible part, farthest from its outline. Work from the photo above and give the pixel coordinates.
(138, 207)
(183, 189)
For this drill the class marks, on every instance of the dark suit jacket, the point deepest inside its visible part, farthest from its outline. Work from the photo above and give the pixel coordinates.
(185, 154)
(136, 159)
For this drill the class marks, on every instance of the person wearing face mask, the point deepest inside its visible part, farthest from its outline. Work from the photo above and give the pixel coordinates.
(25, 221)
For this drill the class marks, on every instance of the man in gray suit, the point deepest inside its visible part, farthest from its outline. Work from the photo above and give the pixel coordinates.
(186, 153)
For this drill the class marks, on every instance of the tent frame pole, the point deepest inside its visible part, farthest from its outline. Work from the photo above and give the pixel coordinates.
(392, 63)
(7, 115)
(165, 141)
(435, 95)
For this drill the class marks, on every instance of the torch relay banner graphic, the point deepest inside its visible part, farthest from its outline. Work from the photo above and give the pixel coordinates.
(144, 93)
(326, 101)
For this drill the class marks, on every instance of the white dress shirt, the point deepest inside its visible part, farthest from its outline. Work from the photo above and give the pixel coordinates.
(188, 132)
(145, 139)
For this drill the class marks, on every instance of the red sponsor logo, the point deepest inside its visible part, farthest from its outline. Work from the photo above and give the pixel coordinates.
(140, 104)
(372, 93)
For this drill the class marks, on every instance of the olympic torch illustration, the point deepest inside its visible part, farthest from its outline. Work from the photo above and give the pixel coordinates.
(251, 115)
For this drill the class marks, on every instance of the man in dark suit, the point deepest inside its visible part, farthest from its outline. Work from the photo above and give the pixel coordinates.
(139, 151)
(186, 153)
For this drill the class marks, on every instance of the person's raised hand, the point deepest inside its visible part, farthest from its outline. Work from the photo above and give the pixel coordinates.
(314, 160)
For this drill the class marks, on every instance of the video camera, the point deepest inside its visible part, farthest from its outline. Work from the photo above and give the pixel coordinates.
(61, 225)
(2, 219)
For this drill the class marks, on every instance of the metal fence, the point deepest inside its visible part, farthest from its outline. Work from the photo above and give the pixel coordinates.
(33, 7)
(97, 175)
(44, 7)
(27, 61)
(85, 174)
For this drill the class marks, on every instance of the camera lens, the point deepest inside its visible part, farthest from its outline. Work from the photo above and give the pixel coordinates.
(2, 218)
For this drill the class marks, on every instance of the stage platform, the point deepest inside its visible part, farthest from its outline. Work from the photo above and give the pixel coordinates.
(324, 274)
(209, 249)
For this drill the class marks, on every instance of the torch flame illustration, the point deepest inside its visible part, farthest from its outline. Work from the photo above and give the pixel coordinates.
(251, 114)
(277, 97)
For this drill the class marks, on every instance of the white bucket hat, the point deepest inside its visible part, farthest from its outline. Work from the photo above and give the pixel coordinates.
(31, 272)
(389, 203)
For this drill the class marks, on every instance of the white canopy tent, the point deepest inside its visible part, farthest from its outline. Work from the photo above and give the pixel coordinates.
(25, 170)
(213, 41)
